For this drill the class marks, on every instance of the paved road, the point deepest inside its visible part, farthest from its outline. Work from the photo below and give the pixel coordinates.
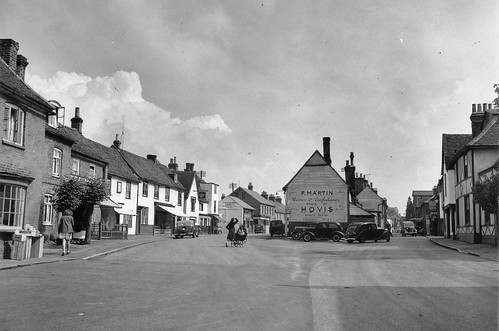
(270, 284)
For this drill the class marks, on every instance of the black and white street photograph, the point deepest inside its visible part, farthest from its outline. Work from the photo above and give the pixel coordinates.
(249, 165)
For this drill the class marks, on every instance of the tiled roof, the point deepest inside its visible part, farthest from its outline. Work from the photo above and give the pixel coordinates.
(489, 136)
(451, 145)
(169, 172)
(279, 207)
(147, 169)
(358, 211)
(84, 146)
(186, 178)
(11, 81)
(256, 196)
(238, 201)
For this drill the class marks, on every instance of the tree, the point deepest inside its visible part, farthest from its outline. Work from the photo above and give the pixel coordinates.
(80, 195)
(486, 193)
(393, 214)
(409, 209)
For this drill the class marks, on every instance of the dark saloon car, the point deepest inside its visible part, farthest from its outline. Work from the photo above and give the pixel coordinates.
(323, 230)
(258, 228)
(276, 228)
(186, 228)
(365, 231)
(408, 229)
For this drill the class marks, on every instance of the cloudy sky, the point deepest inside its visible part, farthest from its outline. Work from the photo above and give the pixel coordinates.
(246, 90)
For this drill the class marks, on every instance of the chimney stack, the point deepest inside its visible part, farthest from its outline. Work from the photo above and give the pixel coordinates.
(173, 164)
(8, 52)
(152, 157)
(350, 175)
(327, 146)
(271, 197)
(477, 115)
(21, 65)
(265, 195)
(76, 122)
(250, 187)
(117, 142)
(278, 199)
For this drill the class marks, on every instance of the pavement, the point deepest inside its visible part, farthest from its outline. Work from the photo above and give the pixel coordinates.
(52, 252)
(488, 252)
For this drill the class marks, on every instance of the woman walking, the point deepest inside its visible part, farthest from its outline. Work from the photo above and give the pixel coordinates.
(232, 231)
(66, 231)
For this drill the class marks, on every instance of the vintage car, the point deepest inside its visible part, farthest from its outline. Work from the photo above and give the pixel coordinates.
(408, 229)
(323, 230)
(186, 228)
(276, 228)
(365, 231)
(258, 228)
(298, 230)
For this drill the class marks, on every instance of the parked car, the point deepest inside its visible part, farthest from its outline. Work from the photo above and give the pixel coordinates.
(366, 231)
(258, 228)
(298, 230)
(276, 228)
(408, 229)
(323, 230)
(186, 228)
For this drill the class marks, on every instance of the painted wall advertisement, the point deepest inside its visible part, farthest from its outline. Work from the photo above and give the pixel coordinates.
(317, 204)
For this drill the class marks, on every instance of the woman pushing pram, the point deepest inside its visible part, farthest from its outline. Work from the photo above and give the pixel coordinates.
(232, 231)
(240, 238)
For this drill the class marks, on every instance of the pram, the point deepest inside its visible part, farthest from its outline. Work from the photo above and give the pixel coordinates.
(240, 239)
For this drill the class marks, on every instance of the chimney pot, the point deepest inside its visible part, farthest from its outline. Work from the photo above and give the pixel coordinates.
(346, 163)
(484, 106)
(351, 158)
(479, 108)
(250, 186)
(473, 108)
(152, 157)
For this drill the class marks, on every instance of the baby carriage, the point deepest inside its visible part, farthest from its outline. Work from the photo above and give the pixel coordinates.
(240, 238)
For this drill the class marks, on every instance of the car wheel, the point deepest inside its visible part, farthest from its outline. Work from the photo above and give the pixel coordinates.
(176, 237)
(271, 234)
(362, 240)
(349, 241)
(336, 237)
(295, 235)
(307, 237)
(388, 238)
(181, 237)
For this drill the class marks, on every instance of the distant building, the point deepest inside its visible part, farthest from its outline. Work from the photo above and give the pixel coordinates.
(233, 207)
(317, 192)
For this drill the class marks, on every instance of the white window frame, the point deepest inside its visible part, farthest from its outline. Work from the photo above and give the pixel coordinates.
(56, 162)
(167, 193)
(75, 167)
(14, 119)
(119, 187)
(48, 209)
(13, 201)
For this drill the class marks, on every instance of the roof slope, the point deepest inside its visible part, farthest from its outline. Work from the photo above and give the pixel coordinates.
(489, 136)
(146, 169)
(11, 81)
(255, 196)
(451, 145)
(316, 159)
(238, 201)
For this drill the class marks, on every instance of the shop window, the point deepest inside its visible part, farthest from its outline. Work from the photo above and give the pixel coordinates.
(12, 200)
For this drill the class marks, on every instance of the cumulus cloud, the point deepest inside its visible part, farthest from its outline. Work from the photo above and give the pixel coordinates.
(114, 104)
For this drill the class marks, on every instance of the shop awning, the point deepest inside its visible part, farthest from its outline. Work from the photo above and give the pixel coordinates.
(171, 209)
(125, 211)
(109, 203)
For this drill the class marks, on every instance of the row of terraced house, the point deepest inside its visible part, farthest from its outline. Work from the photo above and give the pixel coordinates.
(450, 208)
(37, 153)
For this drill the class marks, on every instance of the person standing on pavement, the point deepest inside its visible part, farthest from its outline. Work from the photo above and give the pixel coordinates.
(232, 231)
(66, 231)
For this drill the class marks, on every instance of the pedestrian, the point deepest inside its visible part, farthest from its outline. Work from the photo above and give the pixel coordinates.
(232, 231)
(66, 224)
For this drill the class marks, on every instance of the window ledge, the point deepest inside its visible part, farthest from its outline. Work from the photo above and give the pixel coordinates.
(10, 143)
